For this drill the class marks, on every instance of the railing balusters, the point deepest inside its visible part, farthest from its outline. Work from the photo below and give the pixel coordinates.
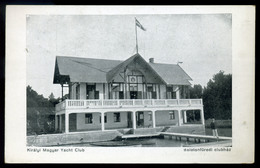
(67, 104)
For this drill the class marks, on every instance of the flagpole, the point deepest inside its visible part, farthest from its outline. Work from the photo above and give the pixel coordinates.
(136, 37)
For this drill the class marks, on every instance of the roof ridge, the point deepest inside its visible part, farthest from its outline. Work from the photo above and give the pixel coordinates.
(88, 58)
(163, 63)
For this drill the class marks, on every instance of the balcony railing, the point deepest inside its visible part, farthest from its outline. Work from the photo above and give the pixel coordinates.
(75, 104)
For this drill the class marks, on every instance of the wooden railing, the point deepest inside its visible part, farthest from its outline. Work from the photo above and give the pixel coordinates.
(74, 104)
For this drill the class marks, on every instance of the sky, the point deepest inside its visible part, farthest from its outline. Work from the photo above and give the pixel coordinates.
(202, 42)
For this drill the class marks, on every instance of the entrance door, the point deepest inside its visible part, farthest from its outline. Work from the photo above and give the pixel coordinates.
(129, 120)
(133, 94)
(140, 119)
(91, 92)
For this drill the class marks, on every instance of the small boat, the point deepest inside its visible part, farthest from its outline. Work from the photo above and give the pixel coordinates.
(116, 144)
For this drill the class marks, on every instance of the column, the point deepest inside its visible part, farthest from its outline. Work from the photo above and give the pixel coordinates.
(202, 116)
(185, 116)
(179, 117)
(56, 122)
(66, 122)
(153, 117)
(178, 93)
(134, 120)
(60, 122)
(102, 121)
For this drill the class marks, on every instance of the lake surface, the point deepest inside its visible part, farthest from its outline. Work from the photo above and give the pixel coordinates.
(161, 142)
(227, 132)
(143, 142)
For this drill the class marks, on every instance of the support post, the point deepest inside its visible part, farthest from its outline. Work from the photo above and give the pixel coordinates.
(178, 93)
(102, 122)
(125, 84)
(179, 117)
(153, 117)
(66, 122)
(185, 116)
(202, 116)
(60, 122)
(62, 92)
(134, 120)
(56, 122)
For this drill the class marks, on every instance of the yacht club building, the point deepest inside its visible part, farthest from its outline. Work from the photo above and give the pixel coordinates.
(131, 94)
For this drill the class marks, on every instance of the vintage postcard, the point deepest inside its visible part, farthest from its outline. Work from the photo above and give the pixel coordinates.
(130, 84)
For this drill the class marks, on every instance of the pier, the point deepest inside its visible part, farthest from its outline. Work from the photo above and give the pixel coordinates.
(195, 137)
(211, 140)
(140, 136)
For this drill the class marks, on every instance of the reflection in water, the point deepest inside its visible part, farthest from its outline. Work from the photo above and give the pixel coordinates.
(141, 142)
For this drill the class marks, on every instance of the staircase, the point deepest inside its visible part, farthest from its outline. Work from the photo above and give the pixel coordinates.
(165, 129)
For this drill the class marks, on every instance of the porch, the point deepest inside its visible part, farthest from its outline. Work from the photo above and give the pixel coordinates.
(124, 113)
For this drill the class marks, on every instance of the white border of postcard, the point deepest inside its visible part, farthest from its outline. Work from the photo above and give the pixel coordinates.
(243, 66)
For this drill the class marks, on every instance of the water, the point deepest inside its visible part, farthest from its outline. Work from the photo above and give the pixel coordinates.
(159, 142)
(227, 132)
(142, 142)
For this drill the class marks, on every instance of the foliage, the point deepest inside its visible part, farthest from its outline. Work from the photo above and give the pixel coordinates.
(217, 96)
(195, 92)
(40, 112)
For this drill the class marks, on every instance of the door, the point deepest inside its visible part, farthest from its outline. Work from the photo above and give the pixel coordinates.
(133, 94)
(121, 95)
(129, 120)
(92, 93)
(140, 119)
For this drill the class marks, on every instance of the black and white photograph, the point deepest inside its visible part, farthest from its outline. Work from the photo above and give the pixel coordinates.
(120, 80)
(129, 81)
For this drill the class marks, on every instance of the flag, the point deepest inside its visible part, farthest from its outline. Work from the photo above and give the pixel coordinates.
(137, 23)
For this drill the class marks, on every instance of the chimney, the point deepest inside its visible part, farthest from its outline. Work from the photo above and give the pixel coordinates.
(151, 60)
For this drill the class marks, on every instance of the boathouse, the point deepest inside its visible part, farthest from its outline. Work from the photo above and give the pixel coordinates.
(130, 94)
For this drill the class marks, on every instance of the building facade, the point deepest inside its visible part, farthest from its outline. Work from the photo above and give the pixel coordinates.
(132, 94)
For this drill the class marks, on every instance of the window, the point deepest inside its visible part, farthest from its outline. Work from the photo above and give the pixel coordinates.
(88, 119)
(117, 91)
(78, 92)
(91, 91)
(132, 79)
(133, 87)
(105, 118)
(150, 116)
(150, 88)
(140, 79)
(116, 117)
(171, 114)
(170, 93)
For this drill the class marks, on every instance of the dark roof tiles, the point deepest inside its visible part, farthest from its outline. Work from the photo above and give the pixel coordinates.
(96, 70)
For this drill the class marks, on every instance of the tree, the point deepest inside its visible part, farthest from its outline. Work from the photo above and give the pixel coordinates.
(195, 92)
(217, 97)
(51, 97)
(52, 100)
(40, 111)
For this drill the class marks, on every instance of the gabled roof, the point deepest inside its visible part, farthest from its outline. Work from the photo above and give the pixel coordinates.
(84, 69)
(172, 73)
(137, 58)
(102, 70)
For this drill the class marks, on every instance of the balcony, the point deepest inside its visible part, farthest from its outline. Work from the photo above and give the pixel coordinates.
(121, 103)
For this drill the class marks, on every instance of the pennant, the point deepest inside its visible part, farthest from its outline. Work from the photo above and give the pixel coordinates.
(139, 25)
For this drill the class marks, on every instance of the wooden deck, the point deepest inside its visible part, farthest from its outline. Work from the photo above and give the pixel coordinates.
(215, 142)
(139, 135)
(194, 136)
